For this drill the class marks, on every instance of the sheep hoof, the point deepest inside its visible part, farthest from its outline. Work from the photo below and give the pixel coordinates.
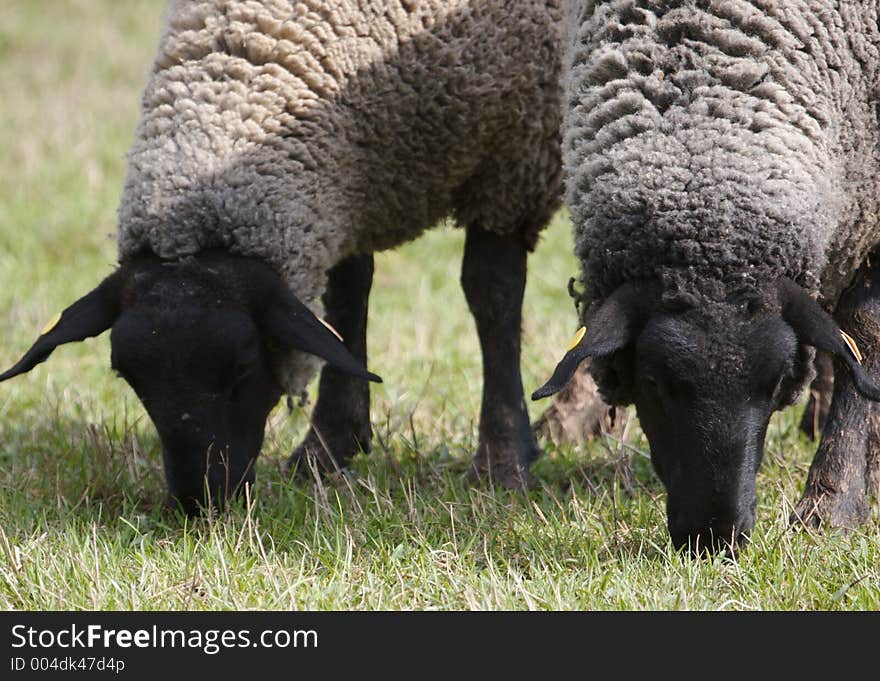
(508, 467)
(822, 507)
(317, 455)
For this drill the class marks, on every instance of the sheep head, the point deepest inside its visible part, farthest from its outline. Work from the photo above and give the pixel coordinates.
(200, 341)
(705, 377)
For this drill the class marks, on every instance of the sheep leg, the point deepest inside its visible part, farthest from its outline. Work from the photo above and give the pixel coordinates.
(340, 424)
(845, 469)
(493, 276)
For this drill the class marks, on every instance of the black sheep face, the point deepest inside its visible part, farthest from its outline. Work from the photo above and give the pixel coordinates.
(705, 381)
(200, 342)
(204, 374)
(705, 388)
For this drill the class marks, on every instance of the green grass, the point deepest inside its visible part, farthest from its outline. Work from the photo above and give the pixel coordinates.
(82, 523)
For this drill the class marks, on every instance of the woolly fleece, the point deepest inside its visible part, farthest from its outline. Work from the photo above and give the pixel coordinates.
(718, 144)
(304, 132)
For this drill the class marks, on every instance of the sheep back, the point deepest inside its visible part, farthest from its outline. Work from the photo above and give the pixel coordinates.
(719, 144)
(304, 132)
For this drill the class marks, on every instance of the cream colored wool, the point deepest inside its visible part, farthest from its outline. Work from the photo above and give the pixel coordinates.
(305, 132)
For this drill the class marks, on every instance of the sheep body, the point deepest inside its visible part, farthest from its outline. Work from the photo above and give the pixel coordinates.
(716, 145)
(305, 132)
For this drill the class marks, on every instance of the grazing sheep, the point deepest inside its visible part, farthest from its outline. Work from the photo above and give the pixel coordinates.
(722, 163)
(280, 145)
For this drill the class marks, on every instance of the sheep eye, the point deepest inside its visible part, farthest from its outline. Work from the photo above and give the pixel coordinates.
(246, 361)
(784, 381)
(120, 373)
(652, 386)
(242, 371)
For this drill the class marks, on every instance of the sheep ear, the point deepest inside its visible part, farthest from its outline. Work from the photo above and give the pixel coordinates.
(813, 326)
(290, 323)
(613, 326)
(89, 316)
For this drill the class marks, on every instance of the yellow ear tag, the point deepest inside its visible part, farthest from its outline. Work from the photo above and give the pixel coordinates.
(853, 348)
(51, 324)
(331, 329)
(578, 337)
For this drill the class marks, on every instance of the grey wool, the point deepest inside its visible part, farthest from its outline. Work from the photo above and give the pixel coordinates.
(713, 145)
(302, 133)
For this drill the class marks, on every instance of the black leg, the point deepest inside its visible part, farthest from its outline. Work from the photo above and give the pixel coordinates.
(872, 456)
(845, 467)
(493, 276)
(340, 425)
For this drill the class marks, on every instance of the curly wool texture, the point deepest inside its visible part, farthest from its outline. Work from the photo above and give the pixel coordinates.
(717, 144)
(304, 132)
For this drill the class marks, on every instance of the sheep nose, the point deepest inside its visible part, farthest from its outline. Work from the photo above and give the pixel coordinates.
(710, 538)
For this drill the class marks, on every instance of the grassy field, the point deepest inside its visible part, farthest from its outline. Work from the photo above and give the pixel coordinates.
(82, 524)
